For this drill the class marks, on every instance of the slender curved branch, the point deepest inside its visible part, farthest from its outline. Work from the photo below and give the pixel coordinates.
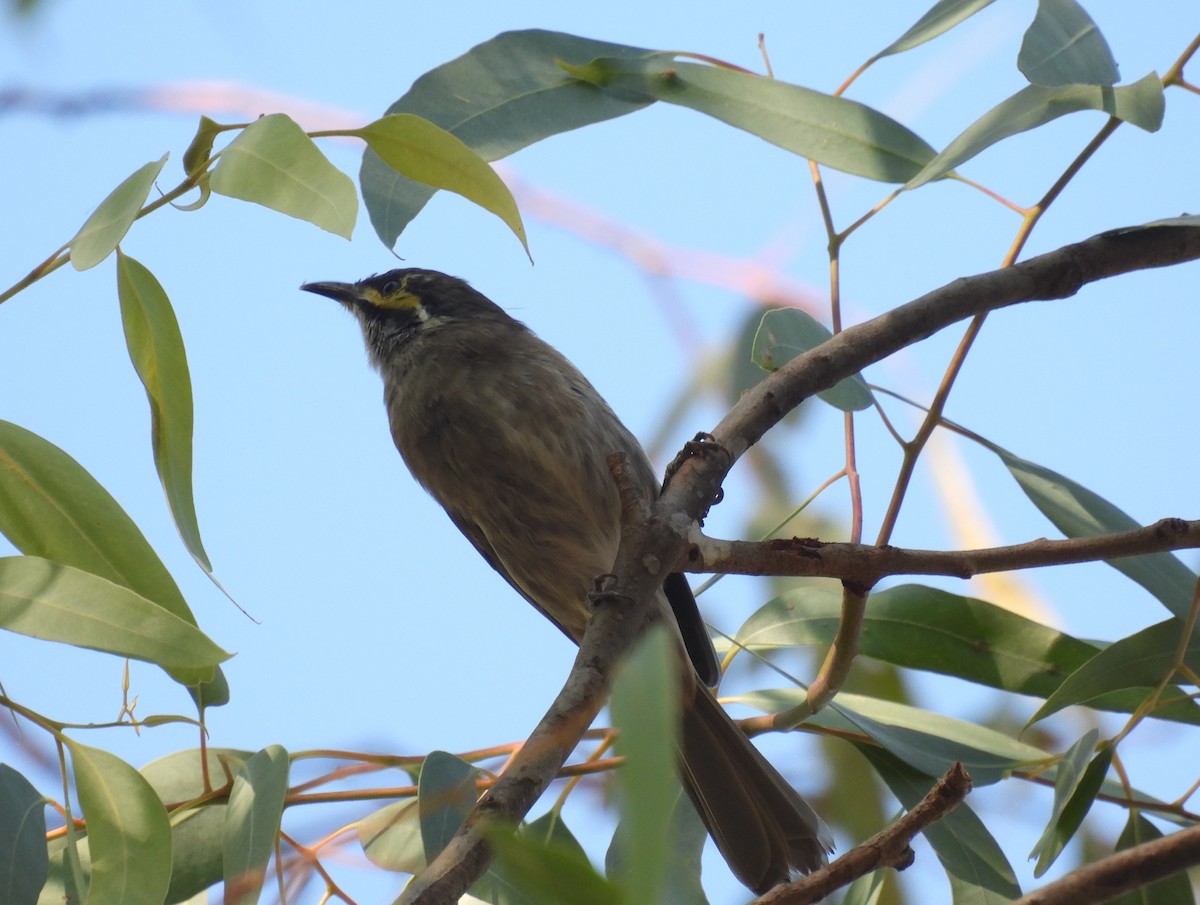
(890, 847)
(1121, 872)
(862, 565)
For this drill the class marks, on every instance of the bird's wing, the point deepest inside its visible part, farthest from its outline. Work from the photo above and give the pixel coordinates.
(479, 541)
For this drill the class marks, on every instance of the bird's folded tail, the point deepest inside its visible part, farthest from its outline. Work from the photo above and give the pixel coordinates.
(766, 832)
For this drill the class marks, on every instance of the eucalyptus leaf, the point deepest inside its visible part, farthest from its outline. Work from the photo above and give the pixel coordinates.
(498, 97)
(1140, 103)
(926, 741)
(197, 834)
(54, 509)
(156, 350)
(919, 627)
(1063, 46)
(391, 837)
(128, 833)
(106, 227)
(551, 874)
(429, 154)
(273, 163)
(47, 600)
(1173, 890)
(23, 857)
(833, 131)
(940, 18)
(1078, 512)
(445, 795)
(252, 823)
(785, 333)
(978, 870)
(1139, 661)
(1077, 782)
(645, 710)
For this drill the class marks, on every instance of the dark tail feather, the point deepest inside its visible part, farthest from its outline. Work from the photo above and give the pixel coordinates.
(766, 832)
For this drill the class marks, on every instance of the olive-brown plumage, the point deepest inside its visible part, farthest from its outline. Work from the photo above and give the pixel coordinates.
(512, 441)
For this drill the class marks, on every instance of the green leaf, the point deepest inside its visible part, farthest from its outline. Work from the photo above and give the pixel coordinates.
(785, 333)
(156, 350)
(1139, 661)
(1063, 46)
(429, 154)
(502, 886)
(23, 858)
(685, 838)
(47, 600)
(1140, 103)
(55, 510)
(925, 628)
(926, 741)
(197, 834)
(498, 97)
(129, 835)
(940, 18)
(273, 163)
(391, 837)
(833, 131)
(978, 870)
(645, 711)
(107, 225)
(252, 823)
(445, 795)
(550, 874)
(1078, 780)
(1078, 512)
(199, 152)
(1173, 890)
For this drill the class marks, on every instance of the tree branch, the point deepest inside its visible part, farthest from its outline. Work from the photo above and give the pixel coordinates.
(890, 847)
(862, 565)
(1120, 872)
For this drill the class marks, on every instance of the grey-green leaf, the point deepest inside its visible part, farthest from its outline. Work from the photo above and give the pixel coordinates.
(645, 710)
(23, 858)
(252, 823)
(785, 333)
(550, 873)
(197, 833)
(1173, 890)
(445, 795)
(1063, 46)
(1138, 661)
(1140, 103)
(1076, 783)
(44, 599)
(273, 163)
(106, 227)
(926, 628)
(156, 349)
(979, 872)
(833, 131)
(428, 154)
(391, 837)
(55, 510)
(1078, 512)
(940, 18)
(498, 97)
(927, 741)
(129, 835)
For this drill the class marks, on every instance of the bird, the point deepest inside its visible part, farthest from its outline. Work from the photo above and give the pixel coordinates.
(512, 440)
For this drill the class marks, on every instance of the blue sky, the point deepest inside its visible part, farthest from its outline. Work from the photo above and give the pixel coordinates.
(379, 628)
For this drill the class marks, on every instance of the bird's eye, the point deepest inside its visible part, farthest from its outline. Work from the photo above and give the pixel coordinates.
(390, 286)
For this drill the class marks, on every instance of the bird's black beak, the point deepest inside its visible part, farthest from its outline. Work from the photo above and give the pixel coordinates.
(346, 293)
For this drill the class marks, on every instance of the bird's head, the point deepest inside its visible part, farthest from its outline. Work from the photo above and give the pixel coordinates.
(394, 308)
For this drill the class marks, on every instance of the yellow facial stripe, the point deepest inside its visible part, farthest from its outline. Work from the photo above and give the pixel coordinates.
(399, 300)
